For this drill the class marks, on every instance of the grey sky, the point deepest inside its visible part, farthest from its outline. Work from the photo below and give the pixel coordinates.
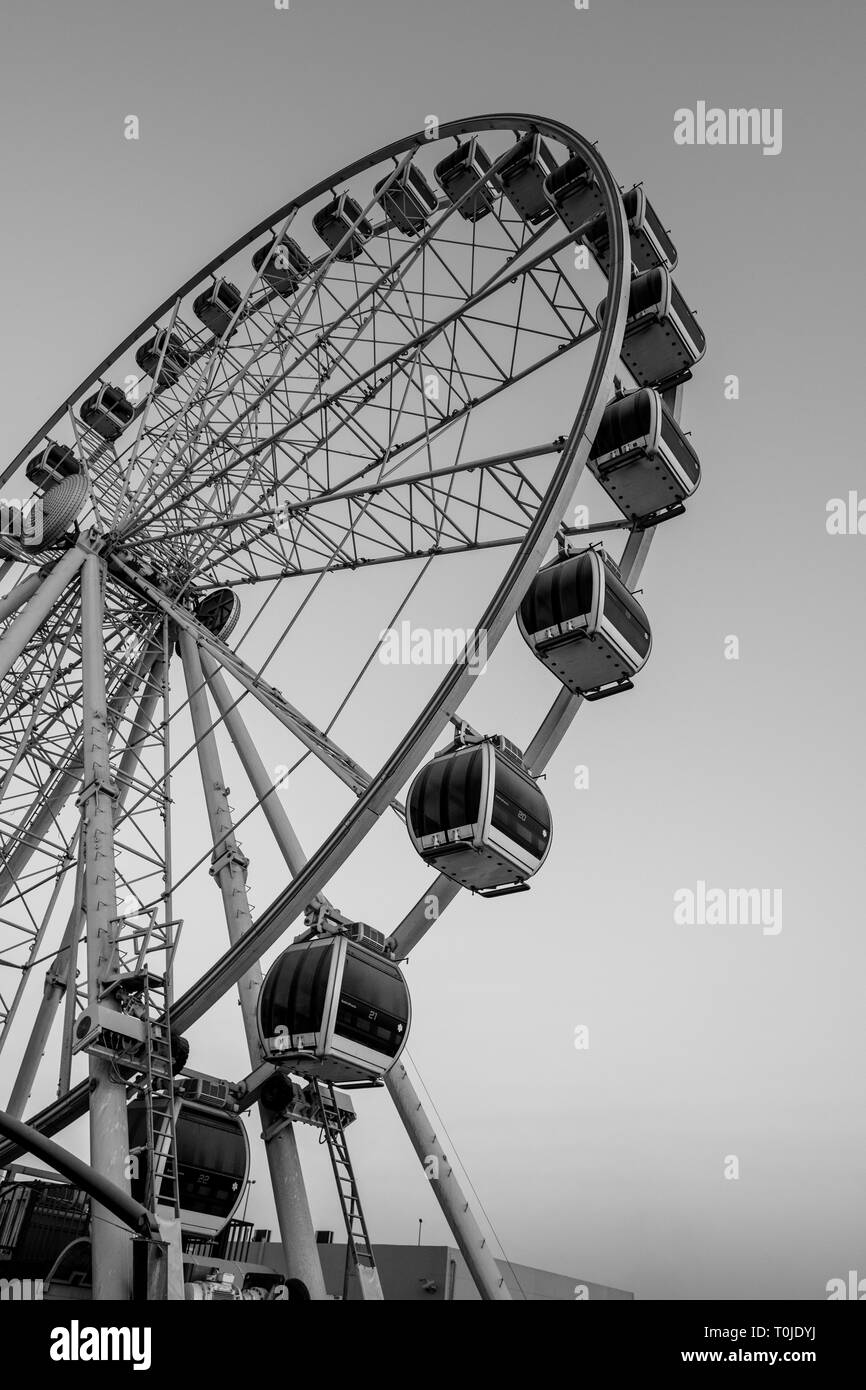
(705, 1041)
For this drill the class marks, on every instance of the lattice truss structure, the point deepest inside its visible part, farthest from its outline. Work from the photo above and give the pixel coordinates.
(41, 754)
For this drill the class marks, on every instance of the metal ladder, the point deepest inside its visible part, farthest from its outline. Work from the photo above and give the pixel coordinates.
(361, 1280)
(158, 1069)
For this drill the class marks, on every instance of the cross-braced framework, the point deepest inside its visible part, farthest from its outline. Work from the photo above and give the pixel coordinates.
(391, 396)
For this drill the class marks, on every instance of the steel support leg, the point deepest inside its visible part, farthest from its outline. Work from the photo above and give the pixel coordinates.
(44, 812)
(17, 597)
(109, 1136)
(473, 1246)
(261, 783)
(62, 968)
(229, 870)
(13, 642)
(53, 992)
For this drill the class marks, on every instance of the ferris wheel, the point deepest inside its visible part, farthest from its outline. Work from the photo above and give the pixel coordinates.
(389, 388)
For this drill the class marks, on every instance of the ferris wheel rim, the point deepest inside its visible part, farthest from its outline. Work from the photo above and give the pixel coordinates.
(419, 139)
(406, 144)
(345, 837)
(538, 536)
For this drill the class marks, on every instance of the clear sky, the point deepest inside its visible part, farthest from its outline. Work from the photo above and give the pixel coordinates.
(705, 1041)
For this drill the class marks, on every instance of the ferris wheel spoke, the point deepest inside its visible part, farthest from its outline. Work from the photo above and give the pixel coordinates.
(505, 464)
(390, 364)
(202, 382)
(423, 438)
(311, 293)
(175, 419)
(396, 425)
(313, 571)
(314, 739)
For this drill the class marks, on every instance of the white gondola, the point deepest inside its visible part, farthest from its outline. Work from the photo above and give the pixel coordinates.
(523, 175)
(650, 243)
(581, 621)
(663, 339)
(213, 1163)
(573, 192)
(341, 223)
(108, 412)
(282, 264)
(461, 171)
(408, 200)
(476, 815)
(175, 358)
(217, 305)
(335, 1010)
(642, 458)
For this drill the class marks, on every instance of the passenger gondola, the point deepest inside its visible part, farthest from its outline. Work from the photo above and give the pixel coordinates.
(38, 1219)
(219, 611)
(341, 224)
(334, 1010)
(408, 200)
(59, 474)
(175, 358)
(51, 465)
(581, 621)
(663, 339)
(477, 816)
(213, 1163)
(650, 243)
(108, 412)
(217, 305)
(523, 176)
(641, 457)
(461, 171)
(573, 192)
(282, 264)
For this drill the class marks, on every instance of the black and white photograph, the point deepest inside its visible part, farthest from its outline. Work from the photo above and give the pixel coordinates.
(430, 473)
